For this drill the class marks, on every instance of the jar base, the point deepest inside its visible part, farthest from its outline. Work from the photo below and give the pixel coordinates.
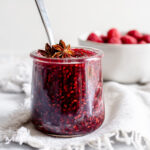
(39, 128)
(65, 136)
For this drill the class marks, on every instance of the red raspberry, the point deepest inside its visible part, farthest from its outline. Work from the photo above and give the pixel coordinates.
(127, 39)
(142, 42)
(146, 38)
(136, 34)
(104, 38)
(100, 40)
(114, 40)
(113, 33)
(95, 38)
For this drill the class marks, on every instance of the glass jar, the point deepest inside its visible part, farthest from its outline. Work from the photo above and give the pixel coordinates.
(67, 93)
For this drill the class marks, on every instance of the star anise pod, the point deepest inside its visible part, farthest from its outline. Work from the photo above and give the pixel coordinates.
(47, 48)
(57, 51)
(61, 50)
(43, 53)
(47, 52)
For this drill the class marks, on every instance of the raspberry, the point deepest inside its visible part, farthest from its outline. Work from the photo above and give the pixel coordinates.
(127, 39)
(146, 38)
(104, 38)
(114, 40)
(95, 38)
(142, 42)
(136, 34)
(100, 40)
(113, 33)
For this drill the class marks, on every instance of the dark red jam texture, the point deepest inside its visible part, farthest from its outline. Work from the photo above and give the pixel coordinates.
(67, 98)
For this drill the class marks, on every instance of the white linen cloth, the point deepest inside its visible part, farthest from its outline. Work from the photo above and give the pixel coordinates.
(127, 117)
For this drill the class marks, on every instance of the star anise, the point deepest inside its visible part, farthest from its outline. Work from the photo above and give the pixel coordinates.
(57, 51)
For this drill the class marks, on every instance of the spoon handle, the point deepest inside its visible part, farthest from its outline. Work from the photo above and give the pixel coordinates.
(45, 20)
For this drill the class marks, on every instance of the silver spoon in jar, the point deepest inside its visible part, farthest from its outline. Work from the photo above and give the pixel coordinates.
(45, 20)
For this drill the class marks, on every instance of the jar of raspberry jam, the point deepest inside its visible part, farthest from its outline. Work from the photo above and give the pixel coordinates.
(67, 93)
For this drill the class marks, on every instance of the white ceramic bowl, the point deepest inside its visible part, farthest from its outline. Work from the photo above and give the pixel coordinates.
(126, 63)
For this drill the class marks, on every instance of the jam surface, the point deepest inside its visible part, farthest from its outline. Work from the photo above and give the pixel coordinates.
(67, 97)
(77, 53)
(82, 53)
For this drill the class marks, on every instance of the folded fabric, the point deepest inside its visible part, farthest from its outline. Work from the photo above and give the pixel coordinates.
(127, 117)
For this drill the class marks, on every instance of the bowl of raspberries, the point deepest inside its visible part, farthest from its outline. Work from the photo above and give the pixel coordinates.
(126, 54)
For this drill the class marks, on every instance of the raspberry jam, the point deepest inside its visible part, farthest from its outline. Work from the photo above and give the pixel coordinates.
(67, 93)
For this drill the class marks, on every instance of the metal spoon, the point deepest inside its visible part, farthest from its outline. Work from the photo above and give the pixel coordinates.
(45, 20)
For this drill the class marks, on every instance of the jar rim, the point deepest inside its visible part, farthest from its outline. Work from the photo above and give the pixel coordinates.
(99, 54)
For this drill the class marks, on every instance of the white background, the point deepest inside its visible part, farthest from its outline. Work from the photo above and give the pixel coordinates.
(21, 30)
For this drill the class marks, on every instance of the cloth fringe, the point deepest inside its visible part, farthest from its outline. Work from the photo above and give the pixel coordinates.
(105, 142)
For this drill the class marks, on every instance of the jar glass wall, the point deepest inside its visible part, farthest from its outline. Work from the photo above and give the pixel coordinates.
(67, 93)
